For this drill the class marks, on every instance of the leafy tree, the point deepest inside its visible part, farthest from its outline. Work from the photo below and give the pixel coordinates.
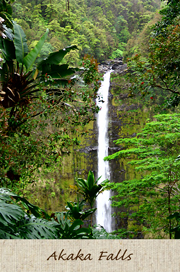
(169, 13)
(116, 54)
(175, 229)
(161, 69)
(153, 195)
(94, 25)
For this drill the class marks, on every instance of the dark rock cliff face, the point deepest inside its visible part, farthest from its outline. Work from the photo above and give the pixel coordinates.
(86, 155)
(116, 65)
(116, 122)
(88, 150)
(117, 168)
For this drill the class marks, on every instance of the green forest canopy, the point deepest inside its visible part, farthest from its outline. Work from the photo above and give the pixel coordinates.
(99, 28)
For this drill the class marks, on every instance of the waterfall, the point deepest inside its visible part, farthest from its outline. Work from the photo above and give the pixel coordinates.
(103, 214)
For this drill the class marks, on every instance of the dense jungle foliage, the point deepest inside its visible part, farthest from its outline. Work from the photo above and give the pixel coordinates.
(152, 196)
(49, 80)
(99, 28)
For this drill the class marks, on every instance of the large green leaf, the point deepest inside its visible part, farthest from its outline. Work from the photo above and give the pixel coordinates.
(87, 213)
(7, 195)
(61, 71)
(82, 184)
(26, 227)
(16, 223)
(90, 180)
(76, 224)
(31, 57)
(56, 57)
(21, 48)
(9, 213)
(37, 228)
(9, 50)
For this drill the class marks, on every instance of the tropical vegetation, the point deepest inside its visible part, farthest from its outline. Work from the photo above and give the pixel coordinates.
(20, 219)
(151, 198)
(50, 52)
(33, 90)
(99, 28)
(153, 195)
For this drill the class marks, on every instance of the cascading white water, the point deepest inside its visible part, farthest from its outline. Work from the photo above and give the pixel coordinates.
(103, 214)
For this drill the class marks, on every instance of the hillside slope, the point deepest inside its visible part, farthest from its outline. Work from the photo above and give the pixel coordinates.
(100, 28)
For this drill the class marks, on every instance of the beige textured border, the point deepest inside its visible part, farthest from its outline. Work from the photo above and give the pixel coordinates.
(90, 255)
